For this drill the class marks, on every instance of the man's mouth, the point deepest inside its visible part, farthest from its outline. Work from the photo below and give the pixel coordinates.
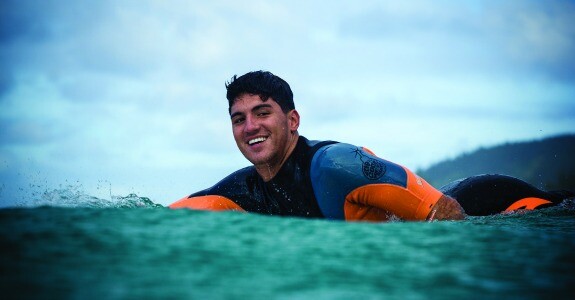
(257, 140)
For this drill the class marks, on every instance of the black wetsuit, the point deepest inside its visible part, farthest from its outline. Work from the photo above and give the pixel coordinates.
(289, 193)
(325, 179)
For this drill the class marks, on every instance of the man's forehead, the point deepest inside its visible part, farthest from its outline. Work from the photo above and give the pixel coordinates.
(247, 101)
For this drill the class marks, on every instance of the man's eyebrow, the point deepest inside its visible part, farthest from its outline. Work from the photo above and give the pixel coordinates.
(255, 108)
(235, 114)
(263, 105)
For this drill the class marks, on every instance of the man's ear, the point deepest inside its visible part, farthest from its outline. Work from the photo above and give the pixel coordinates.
(293, 120)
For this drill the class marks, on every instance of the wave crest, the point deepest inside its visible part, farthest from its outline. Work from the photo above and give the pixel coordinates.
(73, 196)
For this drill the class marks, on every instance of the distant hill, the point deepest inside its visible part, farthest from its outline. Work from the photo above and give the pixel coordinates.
(548, 164)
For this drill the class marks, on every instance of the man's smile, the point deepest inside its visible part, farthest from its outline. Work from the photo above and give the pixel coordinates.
(257, 140)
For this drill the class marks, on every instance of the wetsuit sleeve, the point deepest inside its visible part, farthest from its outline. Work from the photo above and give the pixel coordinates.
(353, 184)
(230, 193)
(209, 202)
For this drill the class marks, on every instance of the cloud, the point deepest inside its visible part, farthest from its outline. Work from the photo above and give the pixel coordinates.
(132, 93)
(22, 20)
(477, 36)
(19, 132)
(536, 36)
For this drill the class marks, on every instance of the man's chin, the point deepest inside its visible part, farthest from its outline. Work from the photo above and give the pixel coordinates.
(256, 159)
(259, 162)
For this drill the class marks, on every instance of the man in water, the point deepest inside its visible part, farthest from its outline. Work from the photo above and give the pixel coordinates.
(294, 176)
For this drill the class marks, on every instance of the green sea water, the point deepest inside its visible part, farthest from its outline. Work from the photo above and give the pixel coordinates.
(131, 248)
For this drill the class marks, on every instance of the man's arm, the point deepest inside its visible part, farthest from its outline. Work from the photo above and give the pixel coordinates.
(352, 183)
(223, 195)
(209, 202)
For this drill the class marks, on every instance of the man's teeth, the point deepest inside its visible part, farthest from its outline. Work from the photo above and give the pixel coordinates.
(258, 140)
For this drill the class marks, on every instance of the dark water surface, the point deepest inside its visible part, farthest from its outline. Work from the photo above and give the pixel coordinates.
(137, 250)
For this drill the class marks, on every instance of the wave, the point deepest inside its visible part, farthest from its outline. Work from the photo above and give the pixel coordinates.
(73, 196)
(163, 253)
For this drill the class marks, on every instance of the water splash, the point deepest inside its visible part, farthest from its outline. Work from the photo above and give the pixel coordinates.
(74, 196)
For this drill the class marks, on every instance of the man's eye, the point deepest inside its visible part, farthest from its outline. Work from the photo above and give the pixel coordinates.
(237, 120)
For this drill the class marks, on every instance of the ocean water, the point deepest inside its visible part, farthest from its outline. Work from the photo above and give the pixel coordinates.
(74, 246)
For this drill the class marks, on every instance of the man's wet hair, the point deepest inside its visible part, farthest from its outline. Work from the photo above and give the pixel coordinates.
(261, 83)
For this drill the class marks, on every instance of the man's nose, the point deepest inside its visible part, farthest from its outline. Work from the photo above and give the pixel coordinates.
(252, 125)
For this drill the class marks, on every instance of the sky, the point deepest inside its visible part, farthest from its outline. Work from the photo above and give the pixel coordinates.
(116, 97)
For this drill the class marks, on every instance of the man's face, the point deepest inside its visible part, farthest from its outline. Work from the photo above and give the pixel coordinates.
(263, 132)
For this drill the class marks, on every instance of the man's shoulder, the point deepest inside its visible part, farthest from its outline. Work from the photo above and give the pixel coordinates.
(335, 150)
(247, 171)
(231, 184)
(343, 163)
(239, 180)
(315, 144)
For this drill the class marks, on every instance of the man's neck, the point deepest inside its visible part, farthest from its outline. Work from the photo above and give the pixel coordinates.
(267, 172)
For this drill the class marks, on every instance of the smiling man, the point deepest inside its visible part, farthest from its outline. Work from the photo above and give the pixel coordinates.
(265, 135)
(293, 176)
